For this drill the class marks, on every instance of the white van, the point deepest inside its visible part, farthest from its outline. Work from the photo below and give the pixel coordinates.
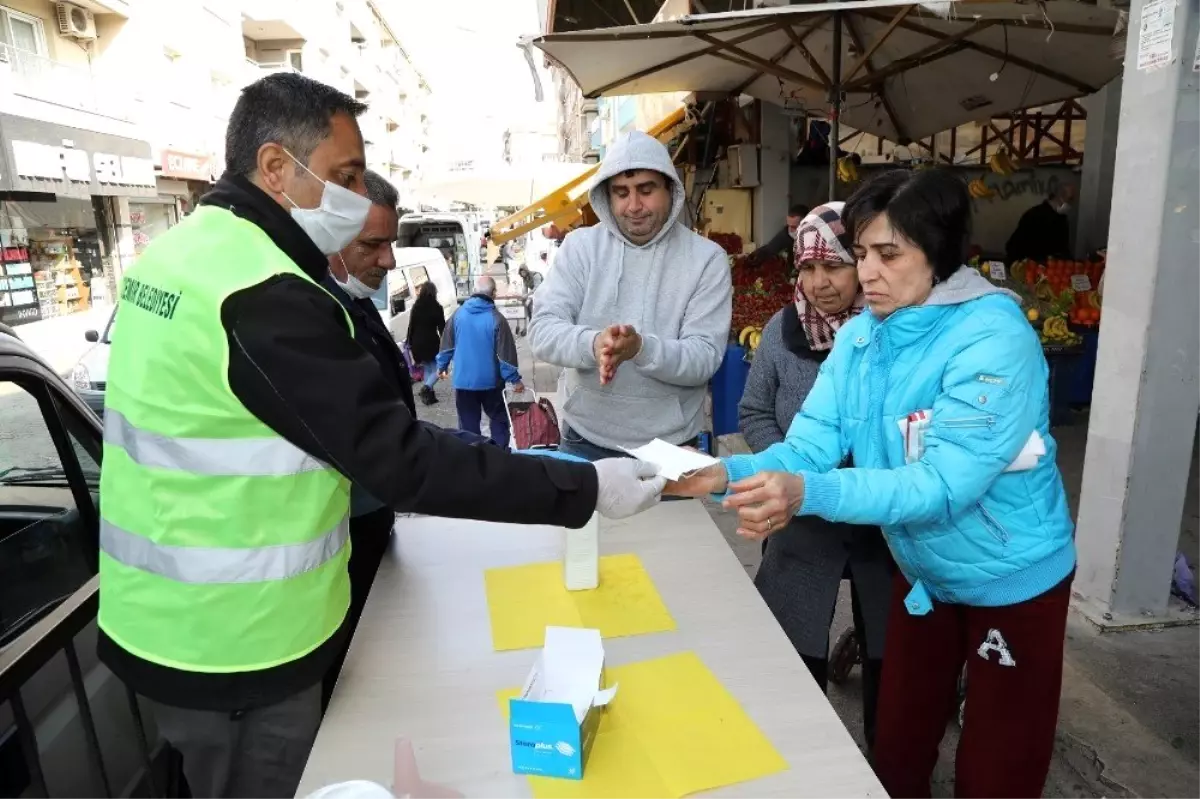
(458, 236)
(415, 266)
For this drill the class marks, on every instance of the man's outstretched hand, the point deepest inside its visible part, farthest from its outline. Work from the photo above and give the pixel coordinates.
(614, 346)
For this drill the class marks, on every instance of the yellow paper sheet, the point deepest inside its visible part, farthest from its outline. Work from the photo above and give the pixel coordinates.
(671, 730)
(524, 600)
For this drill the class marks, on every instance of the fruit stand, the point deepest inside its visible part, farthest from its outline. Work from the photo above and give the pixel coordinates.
(1062, 300)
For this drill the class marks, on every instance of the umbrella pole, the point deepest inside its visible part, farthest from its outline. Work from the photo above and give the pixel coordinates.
(835, 103)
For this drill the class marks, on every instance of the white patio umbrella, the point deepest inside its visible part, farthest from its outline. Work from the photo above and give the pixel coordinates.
(905, 70)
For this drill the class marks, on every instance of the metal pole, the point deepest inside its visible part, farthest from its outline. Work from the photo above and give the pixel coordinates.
(835, 103)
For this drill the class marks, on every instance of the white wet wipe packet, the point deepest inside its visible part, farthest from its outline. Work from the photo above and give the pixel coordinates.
(913, 427)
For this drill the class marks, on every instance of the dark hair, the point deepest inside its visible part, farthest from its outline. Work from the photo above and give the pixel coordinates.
(427, 292)
(930, 207)
(286, 108)
(380, 191)
(799, 209)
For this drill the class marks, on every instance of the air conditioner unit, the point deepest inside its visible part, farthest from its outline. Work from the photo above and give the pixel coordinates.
(76, 22)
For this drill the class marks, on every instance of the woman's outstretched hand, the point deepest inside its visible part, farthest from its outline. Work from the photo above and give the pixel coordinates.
(709, 480)
(765, 502)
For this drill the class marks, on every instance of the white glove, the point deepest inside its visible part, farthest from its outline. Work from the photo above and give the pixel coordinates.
(627, 487)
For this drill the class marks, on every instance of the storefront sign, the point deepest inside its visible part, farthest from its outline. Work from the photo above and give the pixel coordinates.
(186, 166)
(123, 169)
(47, 162)
(72, 162)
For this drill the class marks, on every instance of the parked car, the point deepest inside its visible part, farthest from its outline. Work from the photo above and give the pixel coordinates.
(90, 375)
(52, 688)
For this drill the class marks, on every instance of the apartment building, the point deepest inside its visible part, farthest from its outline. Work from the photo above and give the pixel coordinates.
(113, 114)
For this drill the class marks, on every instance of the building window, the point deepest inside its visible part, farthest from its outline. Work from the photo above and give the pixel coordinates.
(295, 59)
(21, 32)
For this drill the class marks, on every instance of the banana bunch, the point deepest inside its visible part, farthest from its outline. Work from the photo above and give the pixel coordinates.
(1055, 331)
(750, 337)
(980, 190)
(1002, 164)
(847, 172)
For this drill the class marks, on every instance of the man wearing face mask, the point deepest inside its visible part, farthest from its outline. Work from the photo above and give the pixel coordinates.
(354, 275)
(1044, 231)
(240, 409)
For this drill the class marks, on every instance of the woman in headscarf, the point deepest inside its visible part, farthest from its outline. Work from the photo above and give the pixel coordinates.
(803, 565)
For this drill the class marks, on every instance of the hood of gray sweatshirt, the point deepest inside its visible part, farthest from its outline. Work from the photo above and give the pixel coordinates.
(676, 292)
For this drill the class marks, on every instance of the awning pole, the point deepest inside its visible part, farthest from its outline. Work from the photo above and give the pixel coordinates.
(835, 103)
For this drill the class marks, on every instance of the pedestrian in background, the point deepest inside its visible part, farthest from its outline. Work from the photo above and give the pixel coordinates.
(479, 338)
(530, 280)
(426, 323)
(783, 242)
(803, 565)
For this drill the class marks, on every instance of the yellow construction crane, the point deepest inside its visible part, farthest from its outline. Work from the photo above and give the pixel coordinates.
(565, 205)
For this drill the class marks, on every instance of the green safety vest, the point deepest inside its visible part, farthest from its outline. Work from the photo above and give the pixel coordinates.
(223, 547)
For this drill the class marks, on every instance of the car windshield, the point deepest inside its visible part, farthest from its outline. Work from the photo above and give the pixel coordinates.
(108, 329)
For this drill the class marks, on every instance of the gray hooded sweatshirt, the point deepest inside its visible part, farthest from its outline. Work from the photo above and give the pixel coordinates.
(676, 292)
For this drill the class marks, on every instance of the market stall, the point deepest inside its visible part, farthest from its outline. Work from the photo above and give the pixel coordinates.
(424, 666)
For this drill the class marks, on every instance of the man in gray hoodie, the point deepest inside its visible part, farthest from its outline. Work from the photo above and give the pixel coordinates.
(636, 310)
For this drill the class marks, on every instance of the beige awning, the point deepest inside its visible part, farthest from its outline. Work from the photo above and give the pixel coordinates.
(908, 70)
(501, 186)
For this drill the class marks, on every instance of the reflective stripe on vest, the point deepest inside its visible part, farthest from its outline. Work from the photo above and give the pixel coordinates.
(214, 457)
(221, 564)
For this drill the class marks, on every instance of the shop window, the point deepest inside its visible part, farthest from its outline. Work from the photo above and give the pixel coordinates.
(148, 220)
(21, 33)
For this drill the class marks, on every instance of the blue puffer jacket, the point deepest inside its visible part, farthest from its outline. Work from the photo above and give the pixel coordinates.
(962, 529)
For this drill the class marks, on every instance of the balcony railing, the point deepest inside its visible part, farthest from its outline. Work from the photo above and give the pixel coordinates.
(41, 78)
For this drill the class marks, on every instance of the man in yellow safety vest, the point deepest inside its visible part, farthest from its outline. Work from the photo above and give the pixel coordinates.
(239, 411)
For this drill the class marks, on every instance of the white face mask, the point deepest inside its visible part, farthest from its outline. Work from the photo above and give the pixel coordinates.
(352, 285)
(337, 220)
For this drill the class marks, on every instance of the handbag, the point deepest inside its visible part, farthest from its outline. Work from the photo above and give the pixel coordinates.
(416, 371)
(534, 423)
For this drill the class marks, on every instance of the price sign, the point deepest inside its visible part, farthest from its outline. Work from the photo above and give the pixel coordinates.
(997, 270)
(1081, 283)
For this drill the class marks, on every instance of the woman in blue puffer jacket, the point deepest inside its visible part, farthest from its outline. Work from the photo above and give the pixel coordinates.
(940, 394)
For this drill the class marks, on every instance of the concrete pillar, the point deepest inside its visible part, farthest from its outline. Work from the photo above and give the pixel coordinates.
(1100, 154)
(771, 196)
(1146, 398)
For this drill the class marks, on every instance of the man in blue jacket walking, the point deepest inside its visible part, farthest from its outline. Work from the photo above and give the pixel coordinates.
(478, 335)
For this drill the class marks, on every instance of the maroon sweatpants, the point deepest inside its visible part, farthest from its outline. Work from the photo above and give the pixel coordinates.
(1014, 660)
